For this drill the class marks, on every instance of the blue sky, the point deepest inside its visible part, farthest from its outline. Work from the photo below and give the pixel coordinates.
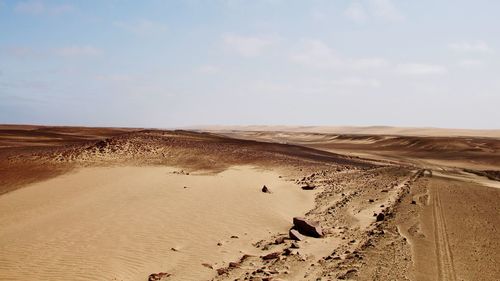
(234, 62)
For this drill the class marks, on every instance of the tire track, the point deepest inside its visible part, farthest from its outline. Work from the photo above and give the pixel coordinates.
(444, 256)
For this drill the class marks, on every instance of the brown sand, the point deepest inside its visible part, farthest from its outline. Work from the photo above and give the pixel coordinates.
(122, 223)
(103, 203)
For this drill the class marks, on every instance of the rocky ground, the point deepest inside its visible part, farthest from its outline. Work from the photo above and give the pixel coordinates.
(373, 219)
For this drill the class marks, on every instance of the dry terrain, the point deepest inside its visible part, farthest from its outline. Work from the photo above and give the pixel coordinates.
(226, 204)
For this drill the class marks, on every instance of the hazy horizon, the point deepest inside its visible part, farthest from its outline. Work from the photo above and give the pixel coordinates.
(166, 64)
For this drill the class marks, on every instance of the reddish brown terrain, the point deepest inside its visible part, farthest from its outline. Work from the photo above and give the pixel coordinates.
(135, 204)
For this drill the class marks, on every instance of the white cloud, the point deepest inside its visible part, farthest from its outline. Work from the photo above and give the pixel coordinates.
(385, 9)
(470, 63)
(361, 12)
(471, 47)
(367, 63)
(21, 52)
(420, 69)
(356, 12)
(356, 82)
(315, 53)
(247, 46)
(208, 69)
(142, 27)
(317, 86)
(77, 51)
(37, 7)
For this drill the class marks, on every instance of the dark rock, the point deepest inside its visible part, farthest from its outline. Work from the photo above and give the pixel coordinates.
(271, 256)
(380, 217)
(222, 271)
(413, 202)
(279, 240)
(234, 264)
(158, 276)
(265, 189)
(234, 237)
(307, 227)
(308, 187)
(207, 265)
(348, 274)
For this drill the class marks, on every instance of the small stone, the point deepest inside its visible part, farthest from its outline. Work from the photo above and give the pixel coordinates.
(207, 265)
(380, 217)
(279, 240)
(158, 276)
(271, 256)
(308, 187)
(222, 271)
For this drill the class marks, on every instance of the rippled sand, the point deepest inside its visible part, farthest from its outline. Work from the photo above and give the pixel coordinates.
(121, 223)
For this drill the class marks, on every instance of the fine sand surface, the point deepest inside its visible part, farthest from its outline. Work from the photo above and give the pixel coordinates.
(123, 223)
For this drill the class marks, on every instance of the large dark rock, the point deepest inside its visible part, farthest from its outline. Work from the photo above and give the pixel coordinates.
(307, 227)
(265, 189)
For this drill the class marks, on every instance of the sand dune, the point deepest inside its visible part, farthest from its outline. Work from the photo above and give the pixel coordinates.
(121, 223)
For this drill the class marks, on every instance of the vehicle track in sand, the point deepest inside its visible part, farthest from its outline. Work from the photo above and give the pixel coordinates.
(444, 256)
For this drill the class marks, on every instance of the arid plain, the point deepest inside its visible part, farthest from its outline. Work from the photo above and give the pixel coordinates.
(249, 203)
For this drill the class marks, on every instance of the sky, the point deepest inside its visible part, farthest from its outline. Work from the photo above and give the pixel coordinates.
(257, 62)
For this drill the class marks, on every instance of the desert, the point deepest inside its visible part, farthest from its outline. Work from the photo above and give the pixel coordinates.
(249, 140)
(138, 204)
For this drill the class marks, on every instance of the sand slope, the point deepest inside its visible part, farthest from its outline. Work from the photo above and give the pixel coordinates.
(121, 222)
